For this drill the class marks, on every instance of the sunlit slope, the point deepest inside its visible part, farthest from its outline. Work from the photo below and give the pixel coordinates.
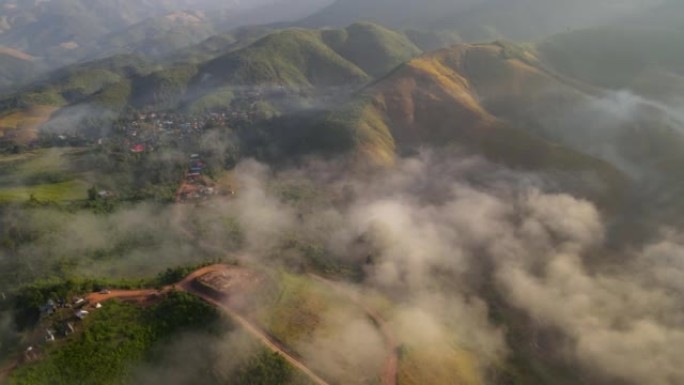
(292, 58)
(21, 127)
(299, 57)
(438, 98)
(443, 98)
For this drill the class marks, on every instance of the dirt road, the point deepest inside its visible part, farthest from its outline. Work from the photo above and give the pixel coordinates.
(391, 369)
(150, 296)
(125, 295)
(251, 328)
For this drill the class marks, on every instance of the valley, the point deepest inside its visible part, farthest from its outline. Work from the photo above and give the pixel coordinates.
(341, 192)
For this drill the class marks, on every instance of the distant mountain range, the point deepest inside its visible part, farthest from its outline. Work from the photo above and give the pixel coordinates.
(481, 19)
(380, 93)
(62, 32)
(590, 98)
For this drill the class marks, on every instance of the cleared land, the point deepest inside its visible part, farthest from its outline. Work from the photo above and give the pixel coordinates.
(21, 127)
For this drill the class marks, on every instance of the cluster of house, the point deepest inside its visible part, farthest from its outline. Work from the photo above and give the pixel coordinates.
(196, 187)
(142, 132)
(65, 328)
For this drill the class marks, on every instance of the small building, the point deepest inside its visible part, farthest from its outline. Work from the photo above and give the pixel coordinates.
(49, 335)
(69, 329)
(104, 194)
(30, 354)
(81, 314)
(138, 148)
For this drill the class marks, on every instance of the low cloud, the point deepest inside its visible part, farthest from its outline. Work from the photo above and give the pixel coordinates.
(440, 238)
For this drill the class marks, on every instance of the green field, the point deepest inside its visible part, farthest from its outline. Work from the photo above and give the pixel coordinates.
(47, 175)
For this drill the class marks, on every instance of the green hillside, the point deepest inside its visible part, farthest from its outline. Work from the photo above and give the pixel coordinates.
(214, 73)
(614, 57)
(374, 49)
(479, 20)
(15, 67)
(292, 58)
(435, 100)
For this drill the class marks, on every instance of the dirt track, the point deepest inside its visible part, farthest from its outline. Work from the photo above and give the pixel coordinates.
(186, 285)
(146, 296)
(125, 295)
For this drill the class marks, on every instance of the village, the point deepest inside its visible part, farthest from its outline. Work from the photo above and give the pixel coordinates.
(144, 132)
(59, 319)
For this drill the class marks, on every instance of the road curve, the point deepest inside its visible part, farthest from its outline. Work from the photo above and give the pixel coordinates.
(263, 337)
(186, 286)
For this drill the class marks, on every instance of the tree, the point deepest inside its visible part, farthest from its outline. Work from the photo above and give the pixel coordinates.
(92, 194)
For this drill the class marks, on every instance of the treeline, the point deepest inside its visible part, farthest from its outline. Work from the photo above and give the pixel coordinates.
(27, 301)
(121, 336)
(117, 337)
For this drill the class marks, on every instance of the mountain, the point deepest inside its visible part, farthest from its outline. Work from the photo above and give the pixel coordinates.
(63, 32)
(15, 66)
(439, 99)
(478, 20)
(615, 57)
(524, 20)
(393, 13)
(510, 103)
(285, 69)
(665, 15)
(315, 57)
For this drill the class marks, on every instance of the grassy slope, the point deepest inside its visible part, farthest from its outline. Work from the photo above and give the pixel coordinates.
(22, 126)
(614, 57)
(301, 308)
(647, 60)
(436, 365)
(293, 58)
(374, 49)
(436, 99)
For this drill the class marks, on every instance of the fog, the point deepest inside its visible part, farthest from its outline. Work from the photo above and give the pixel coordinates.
(472, 265)
(437, 229)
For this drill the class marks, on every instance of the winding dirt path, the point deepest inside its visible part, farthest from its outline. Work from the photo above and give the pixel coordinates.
(390, 371)
(391, 368)
(251, 328)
